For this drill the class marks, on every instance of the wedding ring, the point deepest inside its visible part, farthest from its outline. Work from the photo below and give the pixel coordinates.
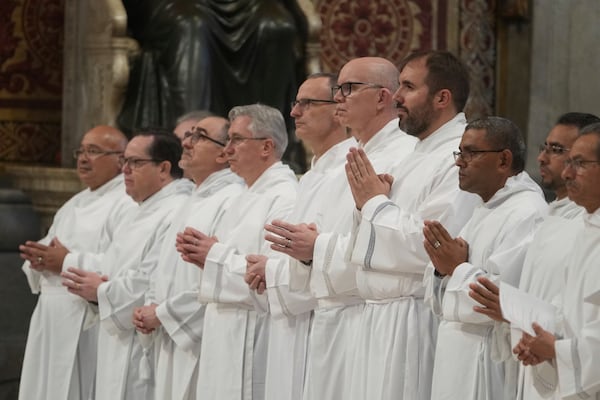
(40, 259)
(288, 243)
(436, 244)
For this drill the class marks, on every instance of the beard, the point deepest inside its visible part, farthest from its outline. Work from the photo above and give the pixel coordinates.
(417, 120)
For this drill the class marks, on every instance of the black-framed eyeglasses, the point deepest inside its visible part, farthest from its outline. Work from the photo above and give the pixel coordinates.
(234, 140)
(197, 134)
(467, 155)
(135, 163)
(578, 164)
(92, 153)
(553, 149)
(346, 87)
(303, 103)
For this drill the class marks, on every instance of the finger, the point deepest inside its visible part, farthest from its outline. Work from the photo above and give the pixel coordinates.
(364, 164)
(255, 282)
(76, 272)
(489, 285)
(439, 231)
(389, 179)
(261, 288)
(481, 299)
(280, 249)
(284, 226)
(537, 329)
(36, 245)
(278, 240)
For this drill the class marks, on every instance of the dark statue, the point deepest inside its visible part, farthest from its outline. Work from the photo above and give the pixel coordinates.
(213, 55)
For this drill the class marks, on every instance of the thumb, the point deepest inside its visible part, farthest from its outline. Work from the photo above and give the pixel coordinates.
(312, 226)
(104, 278)
(537, 328)
(389, 179)
(252, 258)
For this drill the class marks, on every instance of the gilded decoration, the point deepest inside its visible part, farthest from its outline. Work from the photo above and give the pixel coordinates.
(383, 28)
(31, 38)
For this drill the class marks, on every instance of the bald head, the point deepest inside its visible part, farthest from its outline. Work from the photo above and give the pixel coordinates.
(98, 161)
(365, 103)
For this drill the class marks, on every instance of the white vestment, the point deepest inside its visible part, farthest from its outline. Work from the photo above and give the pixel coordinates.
(332, 280)
(396, 339)
(323, 199)
(235, 335)
(129, 261)
(174, 287)
(60, 357)
(543, 274)
(498, 235)
(578, 343)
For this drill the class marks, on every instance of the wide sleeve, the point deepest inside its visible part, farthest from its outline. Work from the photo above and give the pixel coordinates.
(118, 297)
(389, 238)
(284, 302)
(578, 361)
(503, 261)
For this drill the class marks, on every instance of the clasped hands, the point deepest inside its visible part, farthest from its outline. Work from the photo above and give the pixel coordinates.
(44, 258)
(194, 246)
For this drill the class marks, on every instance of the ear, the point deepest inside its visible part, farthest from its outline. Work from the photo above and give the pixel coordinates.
(268, 147)
(165, 168)
(506, 160)
(442, 99)
(385, 98)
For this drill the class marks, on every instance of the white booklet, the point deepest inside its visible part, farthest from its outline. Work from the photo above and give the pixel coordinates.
(523, 309)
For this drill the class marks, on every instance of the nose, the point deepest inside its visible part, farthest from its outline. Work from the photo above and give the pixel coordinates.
(542, 158)
(568, 172)
(397, 97)
(296, 111)
(337, 96)
(229, 148)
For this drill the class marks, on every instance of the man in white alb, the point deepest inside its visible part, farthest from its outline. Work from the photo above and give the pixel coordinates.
(364, 106)
(120, 280)
(319, 129)
(60, 357)
(235, 335)
(493, 243)
(543, 269)
(568, 358)
(173, 316)
(396, 339)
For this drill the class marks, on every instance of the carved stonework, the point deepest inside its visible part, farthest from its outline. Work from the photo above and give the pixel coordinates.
(478, 52)
(96, 67)
(48, 188)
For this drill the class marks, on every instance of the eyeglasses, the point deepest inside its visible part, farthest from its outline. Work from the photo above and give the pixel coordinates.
(92, 153)
(135, 163)
(346, 87)
(303, 103)
(553, 149)
(197, 134)
(237, 139)
(578, 164)
(467, 155)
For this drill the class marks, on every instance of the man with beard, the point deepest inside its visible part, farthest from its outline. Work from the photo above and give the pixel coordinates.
(568, 358)
(543, 269)
(60, 357)
(364, 105)
(397, 330)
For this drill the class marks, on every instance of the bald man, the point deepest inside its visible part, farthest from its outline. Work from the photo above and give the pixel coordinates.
(60, 356)
(364, 105)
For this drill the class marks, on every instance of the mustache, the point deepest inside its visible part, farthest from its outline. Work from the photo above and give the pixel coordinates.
(401, 107)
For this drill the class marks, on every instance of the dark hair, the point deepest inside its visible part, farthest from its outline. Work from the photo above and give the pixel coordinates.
(580, 120)
(329, 75)
(593, 129)
(165, 146)
(444, 71)
(502, 133)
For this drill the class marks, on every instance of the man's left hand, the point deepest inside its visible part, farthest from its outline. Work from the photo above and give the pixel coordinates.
(445, 252)
(145, 319)
(297, 241)
(83, 283)
(487, 294)
(44, 258)
(255, 272)
(194, 246)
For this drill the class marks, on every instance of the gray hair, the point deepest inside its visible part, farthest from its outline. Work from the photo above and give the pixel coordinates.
(265, 122)
(195, 116)
(593, 129)
(502, 133)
